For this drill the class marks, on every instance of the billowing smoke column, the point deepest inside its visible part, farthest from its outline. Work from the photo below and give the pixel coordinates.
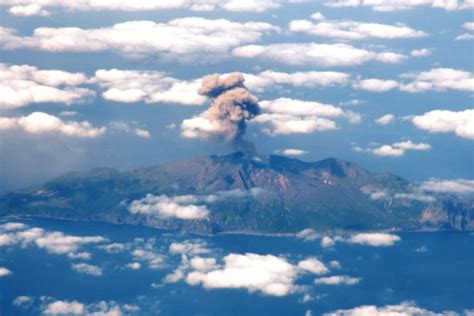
(232, 106)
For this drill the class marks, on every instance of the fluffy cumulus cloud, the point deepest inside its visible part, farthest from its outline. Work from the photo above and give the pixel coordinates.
(130, 86)
(402, 309)
(307, 79)
(23, 301)
(422, 52)
(396, 5)
(21, 85)
(313, 265)
(396, 149)
(52, 241)
(38, 123)
(376, 85)
(439, 79)
(31, 7)
(374, 239)
(385, 119)
(352, 30)
(179, 37)
(292, 152)
(338, 280)
(269, 274)
(28, 10)
(467, 36)
(456, 186)
(313, 54)
(460, 123)
(414, 193)
(186, 207)
(127, 128)
(4, 272)
(88, 269)
(289, 116)
(52, 307)
(143, 252)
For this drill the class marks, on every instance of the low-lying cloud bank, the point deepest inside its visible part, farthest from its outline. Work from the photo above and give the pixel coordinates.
(402, 309)
(365, 239)
(53, 242)
(38, 123)
(185, 207)
(268, 274)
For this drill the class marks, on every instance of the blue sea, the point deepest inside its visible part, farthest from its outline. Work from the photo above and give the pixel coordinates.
(130, 269)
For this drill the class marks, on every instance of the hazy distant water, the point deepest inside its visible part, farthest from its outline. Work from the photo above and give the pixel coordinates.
(435, 270)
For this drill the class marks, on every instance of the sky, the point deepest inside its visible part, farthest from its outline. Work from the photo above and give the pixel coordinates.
(386, 84)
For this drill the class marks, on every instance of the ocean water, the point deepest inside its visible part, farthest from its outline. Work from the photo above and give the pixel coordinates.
(432, 271)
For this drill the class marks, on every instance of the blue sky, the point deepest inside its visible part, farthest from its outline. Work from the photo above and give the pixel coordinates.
(385, 85)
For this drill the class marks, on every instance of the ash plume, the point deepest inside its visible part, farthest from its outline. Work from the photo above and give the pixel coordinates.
(231, 107)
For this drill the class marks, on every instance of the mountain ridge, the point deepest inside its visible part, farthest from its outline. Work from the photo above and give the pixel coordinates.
(261, 194)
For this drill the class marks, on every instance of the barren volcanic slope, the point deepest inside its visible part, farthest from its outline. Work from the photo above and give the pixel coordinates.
(240, 192)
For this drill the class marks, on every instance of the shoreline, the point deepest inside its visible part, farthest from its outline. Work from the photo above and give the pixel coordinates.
(317, 234)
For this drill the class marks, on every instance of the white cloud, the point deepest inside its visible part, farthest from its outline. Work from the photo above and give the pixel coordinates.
(250, 5)
(182, 206)
(65, 308)
(178, 37)
(396, 149)
(403, 309)
(102, 308)
(290, 116)
(414, 194)
(308, 234)
(423, 52)
(186, 207)
(313, 265)
(312, 54)
(28, 10)
(21, 85)
(465, 37)
(374, 239)
(327, 242)
(293, 152)
(87, 269)
(142, 133)
(352, 30)
(4, 272)
(23, 301)
(396, 5)
(268, 274)
(134, 265)
(444, 121)
(148, 255)
(457, 186)
(52, 241)
(318, 16)
(43, 123)
(270, 79)
(149, 5)
(439, 79)
(468, 26)
(131, 86)
(338, 280)
(385, 119)
(376, 85)
(10, 226)
(189, 248)
(124, 127)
